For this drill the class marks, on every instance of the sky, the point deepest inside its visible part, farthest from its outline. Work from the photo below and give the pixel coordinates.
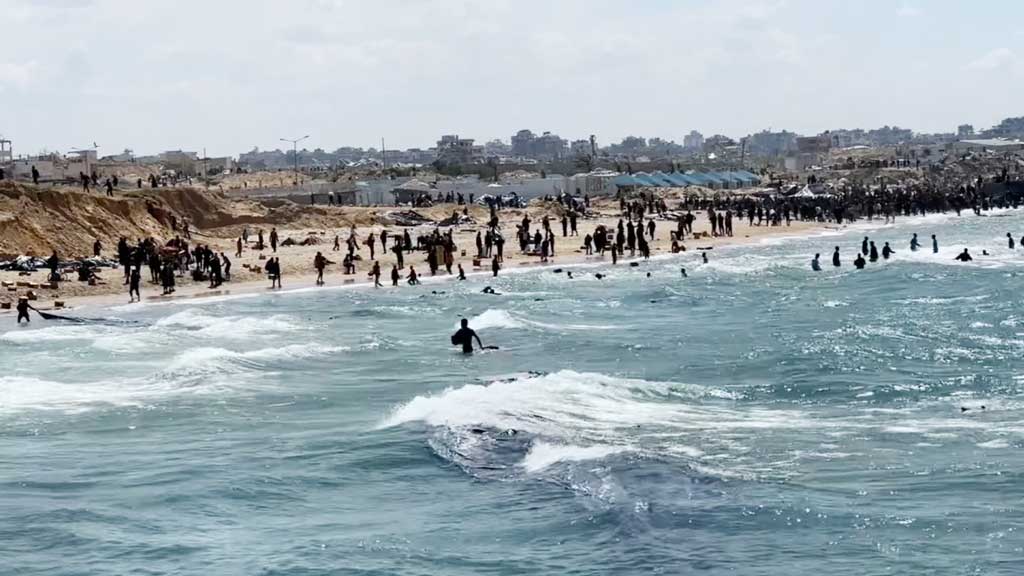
(231, 75)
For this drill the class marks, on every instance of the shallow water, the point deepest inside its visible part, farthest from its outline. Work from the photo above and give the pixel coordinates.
(754, 418)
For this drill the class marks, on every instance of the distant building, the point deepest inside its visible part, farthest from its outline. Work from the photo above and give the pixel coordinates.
(694, 141)
(771, 144)
(992, 144)
(964, 131)
(580, 148)
(1008, 128)
(814, 144)
(547, 146)
(6, 152)
(454, 150)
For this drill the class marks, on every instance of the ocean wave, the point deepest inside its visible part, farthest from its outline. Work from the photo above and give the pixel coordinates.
(237, 327)
(496, 318)
(544, 454)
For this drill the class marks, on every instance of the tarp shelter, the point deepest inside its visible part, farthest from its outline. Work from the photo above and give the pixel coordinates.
(647, 180)
(626, 181)
(410, 190)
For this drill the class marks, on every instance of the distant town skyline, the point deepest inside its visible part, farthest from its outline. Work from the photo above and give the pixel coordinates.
(228, 76)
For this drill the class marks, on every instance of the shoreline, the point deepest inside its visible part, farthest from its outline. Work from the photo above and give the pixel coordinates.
(515, 263)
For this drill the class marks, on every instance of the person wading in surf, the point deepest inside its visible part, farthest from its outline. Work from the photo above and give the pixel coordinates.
(465, 336)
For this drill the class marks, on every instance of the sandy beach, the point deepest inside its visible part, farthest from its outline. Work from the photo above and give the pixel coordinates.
(248, 277)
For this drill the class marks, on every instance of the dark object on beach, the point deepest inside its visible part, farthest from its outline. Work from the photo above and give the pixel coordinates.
(599, 276)
(634, 264)
(557, 270)
(489, 290)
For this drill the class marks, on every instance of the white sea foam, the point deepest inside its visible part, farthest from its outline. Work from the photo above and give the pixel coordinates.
(544, 454)
(236, 327)
(201, 370)
(495, 318)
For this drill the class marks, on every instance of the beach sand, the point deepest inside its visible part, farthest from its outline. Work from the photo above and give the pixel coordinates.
(297, 260)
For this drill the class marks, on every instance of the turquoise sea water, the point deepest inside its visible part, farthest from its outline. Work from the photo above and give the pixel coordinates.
(753, 418)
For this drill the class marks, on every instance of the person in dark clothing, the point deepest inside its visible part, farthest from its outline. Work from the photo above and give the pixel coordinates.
(133, 285)
(53, 262)
(395, 276)
(859, 262)
(35, 175)
(887, 251)
(873, 253)
(465, 336)
(23, 308)
(835, 258)
(495, 266)
(964, 256)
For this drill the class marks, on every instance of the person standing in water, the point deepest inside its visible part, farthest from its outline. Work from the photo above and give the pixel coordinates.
(873, 254)
(835, 258)
(935, 244)
(864, 245)
(964, 256)
(914, 244)
(495, 266)
(1009, 240)
(23, 308)
(462, 273)
(815, 264)
(859, 262)
(887, 251)
(465, 336)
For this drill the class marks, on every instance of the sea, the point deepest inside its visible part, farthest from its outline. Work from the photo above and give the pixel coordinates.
(753, 417)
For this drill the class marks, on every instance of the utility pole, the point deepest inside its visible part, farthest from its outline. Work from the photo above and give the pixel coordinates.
(383, 154)
(295, 154)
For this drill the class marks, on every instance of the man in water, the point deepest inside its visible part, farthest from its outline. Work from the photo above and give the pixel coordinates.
(914, 244)
(859, 262)
(462, 273)
(864, 245)
(815, 265)
(1009, 240)
(887, 251)
(873, 253)
(835, 258)
(964, 256)
(935, 244)
(465, 336)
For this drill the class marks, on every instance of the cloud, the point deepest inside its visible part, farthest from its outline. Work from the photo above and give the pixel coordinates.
(908, 10)
(19, 75)
(997, 58)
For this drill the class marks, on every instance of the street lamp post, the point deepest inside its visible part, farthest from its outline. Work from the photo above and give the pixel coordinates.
(295, 154)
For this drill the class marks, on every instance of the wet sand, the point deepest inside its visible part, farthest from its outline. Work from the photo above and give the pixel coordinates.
(298, 271)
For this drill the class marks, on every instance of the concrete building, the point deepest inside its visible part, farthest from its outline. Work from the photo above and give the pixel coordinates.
(694, 141)
(547, 146)
(964, 131)
(454, 150)
(771, 144)
(6, 152)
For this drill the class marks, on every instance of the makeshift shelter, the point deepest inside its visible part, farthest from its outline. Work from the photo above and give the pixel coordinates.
(410, 190)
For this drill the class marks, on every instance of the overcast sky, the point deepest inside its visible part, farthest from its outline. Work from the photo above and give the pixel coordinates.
(229, 75)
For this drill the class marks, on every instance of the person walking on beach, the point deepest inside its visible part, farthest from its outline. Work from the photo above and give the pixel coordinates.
(375, 272)
(273, 239)
(462, 273)
(395, 276)
(133, 285)
(495, 266)
(238, 248)
(835, 258)
(319, 262)
(413, 279)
